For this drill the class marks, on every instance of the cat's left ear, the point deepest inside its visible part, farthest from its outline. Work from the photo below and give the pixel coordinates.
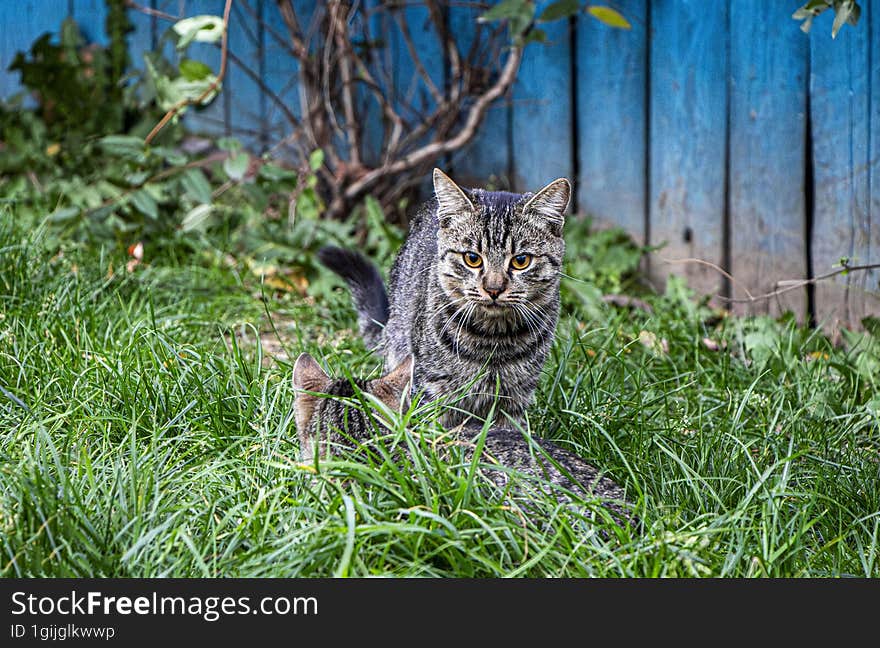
(308, 375)
(550, 204)
(452, 201)
(394, 386)
(400, 378)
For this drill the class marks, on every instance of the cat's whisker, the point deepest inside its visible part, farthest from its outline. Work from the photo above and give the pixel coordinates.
(467, 315)
(568, 276)
(451, 319)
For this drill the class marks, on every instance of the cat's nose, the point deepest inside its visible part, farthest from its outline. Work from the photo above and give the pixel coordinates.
(494, 285)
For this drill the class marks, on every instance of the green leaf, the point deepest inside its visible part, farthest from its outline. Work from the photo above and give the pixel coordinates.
(559, 9)
(872, 325)
(509, 9)
(609, 16)
(64, 214)
(196, 218)
(316, 159)
(843, 10)
(535, 36)
(236, 166)
(192, 70)
(811, 9)
(145, 204)
(127, 146)
(275, 173)
(202, 29)
(229, 144)
(196, 185)
(855, 14)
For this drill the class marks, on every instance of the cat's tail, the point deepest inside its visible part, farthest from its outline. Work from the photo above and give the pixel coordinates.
(367, 290)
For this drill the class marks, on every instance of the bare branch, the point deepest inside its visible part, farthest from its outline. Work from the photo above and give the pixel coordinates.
(438, 148)
(714, 267)
(150, 11)
(417, 61)
(789, 284)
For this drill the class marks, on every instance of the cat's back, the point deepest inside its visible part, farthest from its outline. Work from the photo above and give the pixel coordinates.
(545, 459)
(417, 252)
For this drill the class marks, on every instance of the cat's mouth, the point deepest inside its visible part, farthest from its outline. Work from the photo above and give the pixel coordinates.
(495, 307)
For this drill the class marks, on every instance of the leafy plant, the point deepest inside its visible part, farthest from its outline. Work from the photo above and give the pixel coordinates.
(845, 12)
(520, 15)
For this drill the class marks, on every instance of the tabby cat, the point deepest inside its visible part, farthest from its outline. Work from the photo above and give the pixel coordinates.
(473, 295)
(329, 422)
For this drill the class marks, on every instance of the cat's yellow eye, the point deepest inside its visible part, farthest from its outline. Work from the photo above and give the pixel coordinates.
(521, 261)
(472, 259)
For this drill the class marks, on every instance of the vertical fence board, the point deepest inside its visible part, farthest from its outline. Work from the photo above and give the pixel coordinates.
(840, 92)
(611, 87)
(247, 104)
(542, 110)
(281, 76)
(485, 160)
(22, 23)
(768, 86)
(414, 98)
(688, 112)
(91, 15)
(872, 277)
(141, 40)
(377, 60)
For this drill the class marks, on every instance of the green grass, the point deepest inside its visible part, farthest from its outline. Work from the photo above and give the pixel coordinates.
(144, 433)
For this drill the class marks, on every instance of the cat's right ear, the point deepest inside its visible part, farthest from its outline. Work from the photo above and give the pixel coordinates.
(451, 200)
(393, 388)
(550, 204)
(308, 375)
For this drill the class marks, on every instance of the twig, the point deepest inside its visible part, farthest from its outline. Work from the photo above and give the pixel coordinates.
(790, 284)
(150, 11)
(161, 175)
(417, 61)
(626, 301)
(175, 109)
(436, 149)
(794, 284)
(717, 269)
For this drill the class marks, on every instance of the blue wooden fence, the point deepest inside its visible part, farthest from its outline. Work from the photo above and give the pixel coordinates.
(716, 127)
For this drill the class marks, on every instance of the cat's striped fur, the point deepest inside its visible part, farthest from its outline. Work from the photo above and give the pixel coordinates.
(478, 332)
(330, 423)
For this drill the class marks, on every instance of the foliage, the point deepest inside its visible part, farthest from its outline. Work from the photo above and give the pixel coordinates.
(144, 431)
(845, 12)
(606, 262)
(81, 154)
(521, 16)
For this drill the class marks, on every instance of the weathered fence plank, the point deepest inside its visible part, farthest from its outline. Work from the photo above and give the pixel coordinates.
(415, 93)
(688, 87)
(91, 15)
(768, 95)
(142, 39)
(486, 158)
(611, 119)
(281, 74)
(542, 123)
(242, 92)
(844, 115)
(872, 277)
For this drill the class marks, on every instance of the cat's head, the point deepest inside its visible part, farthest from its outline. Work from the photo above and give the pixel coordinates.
(325, 415)
(498, 250)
